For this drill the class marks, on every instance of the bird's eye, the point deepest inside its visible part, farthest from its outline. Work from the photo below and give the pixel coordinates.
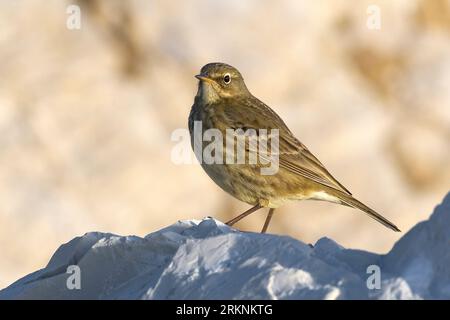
(227, 78)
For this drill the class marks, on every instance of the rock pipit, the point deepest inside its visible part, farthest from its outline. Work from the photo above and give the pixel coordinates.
(223, 102)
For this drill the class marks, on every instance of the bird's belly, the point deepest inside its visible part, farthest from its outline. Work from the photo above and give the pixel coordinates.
(236, 182)
(246, 183)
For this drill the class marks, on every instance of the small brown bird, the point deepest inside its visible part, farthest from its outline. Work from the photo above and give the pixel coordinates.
(224, 102)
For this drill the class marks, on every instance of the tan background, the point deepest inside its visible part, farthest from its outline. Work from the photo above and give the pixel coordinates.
(86, 115)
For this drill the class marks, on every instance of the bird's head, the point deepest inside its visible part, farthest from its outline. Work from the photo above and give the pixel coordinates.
(219, 81)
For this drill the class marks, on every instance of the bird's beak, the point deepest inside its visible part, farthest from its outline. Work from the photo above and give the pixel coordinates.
(203, 78)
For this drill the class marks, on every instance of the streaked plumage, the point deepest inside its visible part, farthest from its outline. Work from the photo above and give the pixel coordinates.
(301, 175)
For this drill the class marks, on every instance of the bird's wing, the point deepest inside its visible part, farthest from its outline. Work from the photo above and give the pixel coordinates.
(293, 155)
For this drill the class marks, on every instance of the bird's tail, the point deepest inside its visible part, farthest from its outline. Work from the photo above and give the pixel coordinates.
(352, 202)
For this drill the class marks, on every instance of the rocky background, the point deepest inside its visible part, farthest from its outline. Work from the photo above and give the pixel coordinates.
(86, 115)
(205, 259)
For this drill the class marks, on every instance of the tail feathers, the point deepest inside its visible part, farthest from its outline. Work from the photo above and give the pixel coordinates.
(352, 202)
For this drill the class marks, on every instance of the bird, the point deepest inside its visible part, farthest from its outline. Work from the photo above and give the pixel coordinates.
(223, 102)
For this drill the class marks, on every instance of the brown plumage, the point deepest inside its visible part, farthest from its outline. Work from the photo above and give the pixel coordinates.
(224, 102)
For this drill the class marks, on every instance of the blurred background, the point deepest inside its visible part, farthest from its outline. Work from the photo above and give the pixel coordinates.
(86, 115)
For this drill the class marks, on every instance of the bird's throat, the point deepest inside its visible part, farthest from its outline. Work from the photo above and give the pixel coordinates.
(206, 93)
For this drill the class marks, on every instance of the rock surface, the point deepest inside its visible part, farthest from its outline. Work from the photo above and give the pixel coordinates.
(209, 260)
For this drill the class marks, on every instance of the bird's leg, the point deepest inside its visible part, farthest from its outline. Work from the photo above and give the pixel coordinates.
(243, 215)
(269, 217)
